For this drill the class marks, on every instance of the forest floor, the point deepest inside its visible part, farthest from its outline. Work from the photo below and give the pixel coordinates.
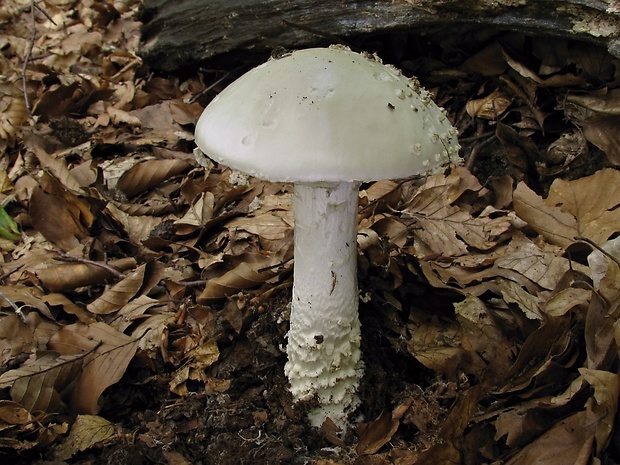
(145, 298)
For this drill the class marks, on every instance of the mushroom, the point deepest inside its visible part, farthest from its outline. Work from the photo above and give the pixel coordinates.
(326, 119)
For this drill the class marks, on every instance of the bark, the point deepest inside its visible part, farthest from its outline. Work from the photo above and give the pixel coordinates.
(182, 33)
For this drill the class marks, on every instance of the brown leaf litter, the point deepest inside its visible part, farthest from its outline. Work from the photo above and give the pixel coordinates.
(154, 291)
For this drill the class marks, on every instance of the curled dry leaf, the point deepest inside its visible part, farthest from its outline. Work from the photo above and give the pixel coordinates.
(61, 216)
(65, 276)
(435, 343)
(12, 413)
(146, 175)
(602, 131)
(381, 430)
(200, 358)
(606, 387)
(57, 167)
(25, 295)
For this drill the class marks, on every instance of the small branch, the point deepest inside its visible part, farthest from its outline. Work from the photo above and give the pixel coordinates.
(197, 283)
(213, 85)
(33, 35)
(6, 274)
(70, 258)
(28, 57)
(594, 245)
(18, 311)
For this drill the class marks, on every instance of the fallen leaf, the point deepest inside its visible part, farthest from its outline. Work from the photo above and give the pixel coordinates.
(148, 174)
(606, 387)
(120, 294)
(489, 107)
(65, 276)
(601, 130)
(568, 442)
(607, 103)
(57, 219)
(107, 353)
(586, 207)
(37, 384)
(86, 432)
(253, 272)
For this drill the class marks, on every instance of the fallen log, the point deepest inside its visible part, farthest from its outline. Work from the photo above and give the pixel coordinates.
(178, 34)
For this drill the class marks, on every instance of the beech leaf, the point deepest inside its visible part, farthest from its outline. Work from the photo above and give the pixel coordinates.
(37, 385)
(118, 295)
(107, 353)
(148, 174)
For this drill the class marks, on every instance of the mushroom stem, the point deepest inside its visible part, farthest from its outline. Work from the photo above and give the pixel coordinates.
(324, 336)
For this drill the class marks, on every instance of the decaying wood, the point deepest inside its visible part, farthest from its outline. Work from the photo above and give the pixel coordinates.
(182, 33)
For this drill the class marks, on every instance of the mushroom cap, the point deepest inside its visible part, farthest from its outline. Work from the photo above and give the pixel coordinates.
(326, 115)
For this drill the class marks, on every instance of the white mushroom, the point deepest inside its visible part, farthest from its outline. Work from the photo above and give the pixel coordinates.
(326, 119)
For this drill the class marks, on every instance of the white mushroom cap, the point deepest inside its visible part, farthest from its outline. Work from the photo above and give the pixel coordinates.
(326, 114)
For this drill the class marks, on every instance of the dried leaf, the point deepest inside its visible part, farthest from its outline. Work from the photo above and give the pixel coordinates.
(15, 338)
(568, 442)
(12, 116)
(57, 167)
(248, 274)
(107, 353)
(586, 207)
(378, 433)
(606, 387)
(544, 267)
(26, 295)
(67, 276)
(120, 117)
(449, 230)
(599, 332)
(56, 219)
(201, 358)
(120, 294)
(606, 103)
(148, 174)
(602, 130)
(435, 343)
(12, 413)
(86, 432)
(566, 300)
(37, 384)
(489, 107)
(133, 312)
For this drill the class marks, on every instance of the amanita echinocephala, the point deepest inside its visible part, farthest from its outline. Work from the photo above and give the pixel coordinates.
(326, 119)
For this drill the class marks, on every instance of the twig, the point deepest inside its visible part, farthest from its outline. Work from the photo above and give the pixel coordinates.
(6, 274)
(28, 57)
(33, 35)
(71, 258)
(215, 84)
(594, 245)
(197, 283)
(18, 311)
